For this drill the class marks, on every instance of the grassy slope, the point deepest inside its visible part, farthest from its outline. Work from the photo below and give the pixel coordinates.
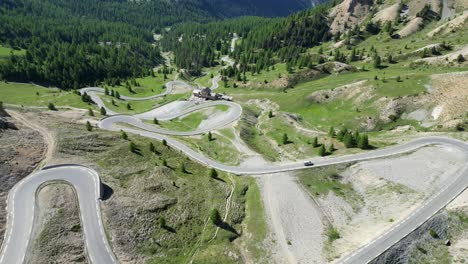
(33, 95)
(148, 86)
(136, 178)
(342, 113)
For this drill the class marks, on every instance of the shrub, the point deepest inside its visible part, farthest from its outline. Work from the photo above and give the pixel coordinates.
(133, 147)
(460, 58)
(270, 114)
(321, 151)
(213, 173)
(124, 135)
(215, 217)
(183, 169)
(331, 148)
(162, 222)
(315, 142)
(103, 111)
(51, 107)
(333, 234)
(88, 126)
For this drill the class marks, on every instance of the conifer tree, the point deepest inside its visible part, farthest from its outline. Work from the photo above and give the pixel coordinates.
(321, 151)
(88, 126)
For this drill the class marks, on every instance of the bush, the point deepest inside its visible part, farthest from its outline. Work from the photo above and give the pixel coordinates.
(51, 107)
(333, 234)
(103, 111)
(363, 142)
(460, 58)
(133, 147)
(348, 140)
(285, 139)
(321, 151)
(183, 169)
(332, 132)
(88, 126)
(215, 217)
(213, 173)
(315, 142)
(331, 148)
(124, 135)
(270, 114)
(162, 222)
(90, 112)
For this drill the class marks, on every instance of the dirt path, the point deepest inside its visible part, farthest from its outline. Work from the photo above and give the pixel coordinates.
(296, 223)
(46, 134)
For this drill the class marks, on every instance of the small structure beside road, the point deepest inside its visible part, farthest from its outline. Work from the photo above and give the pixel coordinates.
(207, 94)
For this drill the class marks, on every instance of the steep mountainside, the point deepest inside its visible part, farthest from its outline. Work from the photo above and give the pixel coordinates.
(268, 8)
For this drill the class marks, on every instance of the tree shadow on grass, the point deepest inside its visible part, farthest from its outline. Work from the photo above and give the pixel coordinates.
(170, 229)
(229, 228)
(219, 179)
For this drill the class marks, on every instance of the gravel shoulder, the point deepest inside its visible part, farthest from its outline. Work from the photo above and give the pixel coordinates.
(295, 223)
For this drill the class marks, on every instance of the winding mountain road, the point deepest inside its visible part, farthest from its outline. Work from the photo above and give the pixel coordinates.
(86, 182)
(21, 211)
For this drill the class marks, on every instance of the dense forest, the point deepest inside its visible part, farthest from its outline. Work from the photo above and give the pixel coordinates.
(264, 42)
(67, 50)
(71, 44)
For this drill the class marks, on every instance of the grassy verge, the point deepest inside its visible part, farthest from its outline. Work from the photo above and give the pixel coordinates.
(136, 107)
(255, 223)
(219, 148)
(187, 123)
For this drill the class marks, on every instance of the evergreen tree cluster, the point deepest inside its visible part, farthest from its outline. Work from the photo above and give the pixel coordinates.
(353, 139)
(264, 42)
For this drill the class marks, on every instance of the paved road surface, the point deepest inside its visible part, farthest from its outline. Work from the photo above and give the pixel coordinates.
(86, 182)
(21, 207)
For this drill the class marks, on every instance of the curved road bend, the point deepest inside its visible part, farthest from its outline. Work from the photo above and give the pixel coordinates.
(383, 242)
(91, 91)
(21, 198)
(21, 209)
(234, 113)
